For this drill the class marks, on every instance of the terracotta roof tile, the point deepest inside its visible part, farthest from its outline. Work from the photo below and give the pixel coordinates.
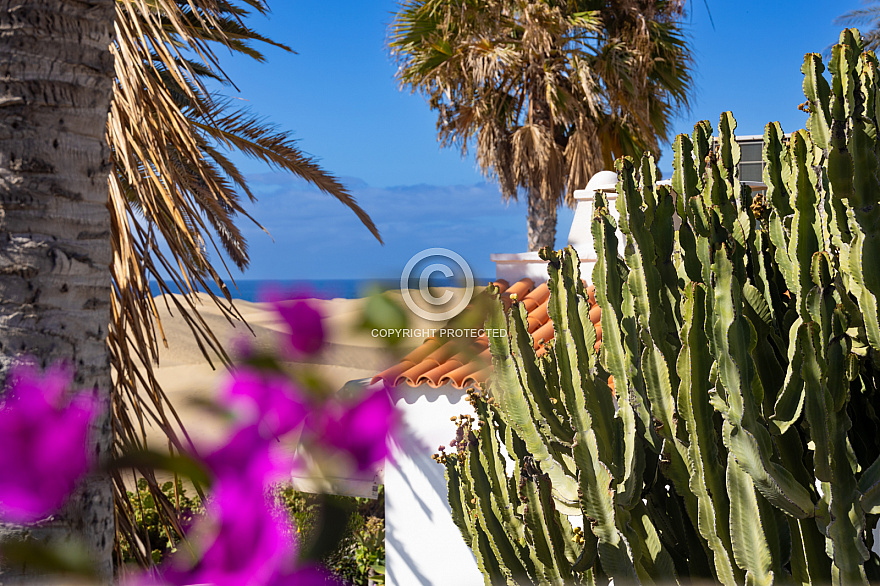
(392, 376)
(466, 355)
(435, 376)
(533, 324)
(458, 376)
(413, 375)
(502, 285)
(445, 352)
(595, 314)
(520, 288)
(423, 351)
(543, 334)
(539, 294)
(591, 295)
(540, 315)
(467, 362)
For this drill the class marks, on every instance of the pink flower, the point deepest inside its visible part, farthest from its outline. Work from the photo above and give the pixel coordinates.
(361, 429)
(44, 440)
(248, 459)
(267, 398)
(241, 539)
(244, 541)
(305, 325)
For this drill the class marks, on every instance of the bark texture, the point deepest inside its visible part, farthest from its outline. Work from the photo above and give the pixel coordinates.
(542, 221)
(56, 76)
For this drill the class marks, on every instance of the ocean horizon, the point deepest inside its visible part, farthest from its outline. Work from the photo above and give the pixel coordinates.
(252, 289)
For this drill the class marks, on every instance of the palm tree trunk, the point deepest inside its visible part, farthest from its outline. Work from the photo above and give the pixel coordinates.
(55, 248)
(541, 220)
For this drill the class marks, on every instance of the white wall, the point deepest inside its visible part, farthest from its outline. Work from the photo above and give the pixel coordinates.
(422, 544)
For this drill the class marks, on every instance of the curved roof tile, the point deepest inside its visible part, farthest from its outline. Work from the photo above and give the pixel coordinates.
(413, 374)
(457, 376)
(539, 294)
(463, 363)
(423, 351)
(543, 334)
(435, 376)
(520, 288)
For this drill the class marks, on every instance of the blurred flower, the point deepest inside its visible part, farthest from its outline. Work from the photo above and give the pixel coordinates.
(44, 439)
(248, 459)
(266, 397)
(241, 539)
(244, 541)
(305, 324)
(361, 429)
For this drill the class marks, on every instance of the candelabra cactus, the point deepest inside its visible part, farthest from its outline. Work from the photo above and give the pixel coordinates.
(741, 444)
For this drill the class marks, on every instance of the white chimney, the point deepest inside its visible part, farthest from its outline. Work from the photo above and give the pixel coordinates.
(581, 234)
(513, 267)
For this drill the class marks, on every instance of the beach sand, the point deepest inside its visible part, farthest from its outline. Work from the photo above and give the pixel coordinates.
(189, 380)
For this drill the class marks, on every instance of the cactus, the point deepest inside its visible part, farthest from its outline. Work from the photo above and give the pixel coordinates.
(741, 444)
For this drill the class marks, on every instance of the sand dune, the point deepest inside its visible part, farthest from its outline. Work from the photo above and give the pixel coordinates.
(189, 380)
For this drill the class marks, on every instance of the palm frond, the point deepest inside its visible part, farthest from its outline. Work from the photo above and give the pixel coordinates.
(503, 68)
(175, 200)
(868, 18)
(860, 16)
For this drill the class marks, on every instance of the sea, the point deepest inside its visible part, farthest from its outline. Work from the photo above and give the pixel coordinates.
(252, 289)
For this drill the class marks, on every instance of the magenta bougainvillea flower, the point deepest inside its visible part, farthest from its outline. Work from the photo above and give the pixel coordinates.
(249, 459)
(267, 398)
(303, 322)
(304, 325)
(44, 439)
(243, 540)
(361, 429)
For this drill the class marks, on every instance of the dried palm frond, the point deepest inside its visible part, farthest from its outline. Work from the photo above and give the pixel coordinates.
(612, 73)
(537, 161)
(172, 184)
(581, 154)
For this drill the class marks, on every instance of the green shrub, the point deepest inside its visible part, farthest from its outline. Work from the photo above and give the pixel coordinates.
(360, 555)
(358, 558)
(158, 538)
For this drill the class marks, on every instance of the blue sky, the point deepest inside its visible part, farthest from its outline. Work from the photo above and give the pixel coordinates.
(339, 97)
